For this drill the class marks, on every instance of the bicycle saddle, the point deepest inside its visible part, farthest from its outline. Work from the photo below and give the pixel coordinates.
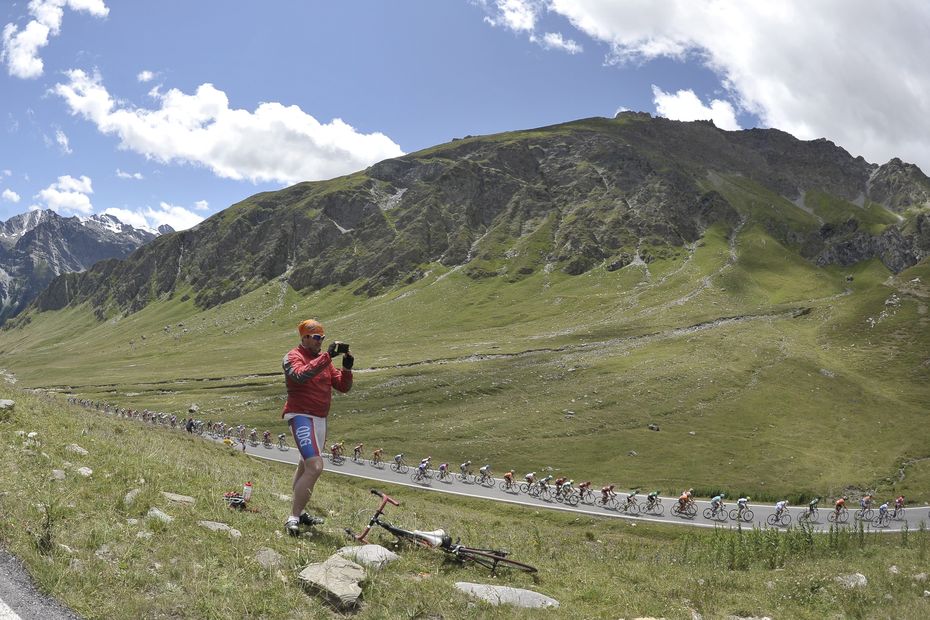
(437, 538)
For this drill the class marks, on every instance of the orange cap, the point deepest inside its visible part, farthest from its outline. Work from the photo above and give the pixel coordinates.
(308, 327)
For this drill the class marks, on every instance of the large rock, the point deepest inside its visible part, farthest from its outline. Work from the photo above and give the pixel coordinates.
(853, 581)
(336, 580)
(505, 595)
(186, 500)
(131, 497)
(372, 556)
(6, 404)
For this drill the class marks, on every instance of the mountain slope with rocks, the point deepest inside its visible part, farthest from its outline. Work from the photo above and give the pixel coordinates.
(593, 193)
(38, 246)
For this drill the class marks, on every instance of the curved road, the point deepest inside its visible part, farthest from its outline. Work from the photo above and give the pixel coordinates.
(913, 516)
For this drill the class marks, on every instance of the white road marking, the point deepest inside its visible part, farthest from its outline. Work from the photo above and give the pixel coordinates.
(6, 613)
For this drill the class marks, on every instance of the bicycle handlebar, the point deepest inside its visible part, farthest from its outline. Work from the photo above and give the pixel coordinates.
(385, 497)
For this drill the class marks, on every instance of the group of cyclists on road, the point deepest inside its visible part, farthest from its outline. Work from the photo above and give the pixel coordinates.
(547, 488)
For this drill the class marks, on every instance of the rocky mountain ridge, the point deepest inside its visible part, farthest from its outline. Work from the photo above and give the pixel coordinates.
(37, 246)
(593, 193)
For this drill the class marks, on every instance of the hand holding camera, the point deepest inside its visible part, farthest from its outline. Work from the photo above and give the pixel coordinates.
(338, 348)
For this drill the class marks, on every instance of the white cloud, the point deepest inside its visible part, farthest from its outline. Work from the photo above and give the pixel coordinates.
(274, 143)
(853, 71)
(62, 141)
(145, 76)
(6, 172)
(67, 196)
(555, 40)
(201, 205)
(177, 217)
(129, 175)
(685, 106)
(21, 47)
(9, 195)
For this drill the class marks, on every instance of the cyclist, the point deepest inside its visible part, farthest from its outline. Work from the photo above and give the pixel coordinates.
(606, 493)
(464, 468)
(716, 503)
(631, 498)
(558, 485)
(866, 502)
(485, 472)
(266, 437)
(424, 464)
(530, 478)
(443, 470)
(898, 505)
(336, 450)
(544, 482)
(567, 487)
(508, 479)
(684, 499)
(584, 488)
(357, 452)
(281, 438)
(742, 504)
(377, 455)
(398, 458)
(780, 508)
(883, 510)
(812, 507)
(253, 435)
(652, 499)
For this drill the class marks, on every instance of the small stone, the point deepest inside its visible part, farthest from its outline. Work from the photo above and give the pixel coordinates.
(926, 593)
(696, 615)
(632, 453)
(32, 435)
(850, 582)
(132, 521)
(692, 433)
(66, 549)
(7, 404)
(893, 569)
(215, 526)
(920, 577)
(85, 471)
(103, 551)
(75, 564)
(373, 556)
(131, 497)
(285, 498)
(143, 534)
(58, 474)
(653, 427)
(155, 513)
(505, 595)
(269, 558)
(179, 499)
(76, 449)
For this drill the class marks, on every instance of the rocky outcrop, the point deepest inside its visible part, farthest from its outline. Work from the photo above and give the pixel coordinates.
(594, 193)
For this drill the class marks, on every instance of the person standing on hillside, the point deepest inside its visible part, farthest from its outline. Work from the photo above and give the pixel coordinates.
(310, 377)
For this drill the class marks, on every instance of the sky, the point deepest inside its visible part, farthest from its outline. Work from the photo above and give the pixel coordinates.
(168, 111)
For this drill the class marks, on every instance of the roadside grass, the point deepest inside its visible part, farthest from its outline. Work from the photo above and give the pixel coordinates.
(594, 567)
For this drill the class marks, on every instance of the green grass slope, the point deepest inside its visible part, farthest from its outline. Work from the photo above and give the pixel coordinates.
(105, 559)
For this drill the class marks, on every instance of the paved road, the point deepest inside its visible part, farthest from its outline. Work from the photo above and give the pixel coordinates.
(19, 598)
(913, 516)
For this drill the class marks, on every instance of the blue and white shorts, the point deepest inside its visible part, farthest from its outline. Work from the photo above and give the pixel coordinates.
(309, 433)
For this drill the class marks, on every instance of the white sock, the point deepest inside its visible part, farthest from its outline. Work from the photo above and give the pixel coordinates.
(293, 518)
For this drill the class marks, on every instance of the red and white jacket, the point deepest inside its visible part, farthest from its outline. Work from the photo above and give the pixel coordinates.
(310, 380)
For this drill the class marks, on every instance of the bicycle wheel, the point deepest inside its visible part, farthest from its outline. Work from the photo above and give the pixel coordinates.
(588, 498)
(771, 519)
(708, 513)
(573, 499)
(785, 520)
(488, 482)
(524, 488)
(656, 509)
(631, 509)
(748, 515)
(544, 494)
(492, 560)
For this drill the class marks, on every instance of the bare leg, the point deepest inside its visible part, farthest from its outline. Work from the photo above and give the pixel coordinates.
(305, 477)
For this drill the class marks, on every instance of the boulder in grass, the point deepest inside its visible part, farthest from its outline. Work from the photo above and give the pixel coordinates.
(214, 526)
(131, 497)
(76, 449)
(155, 513)
(372, 556)
(336, 580)
(6, 404)
(505, 595)
(58, 474)
(269, 558)
(186, 500)
(853, 581)
(85, 471)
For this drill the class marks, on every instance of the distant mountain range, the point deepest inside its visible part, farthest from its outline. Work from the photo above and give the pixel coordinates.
(589, 194)
(37, 246)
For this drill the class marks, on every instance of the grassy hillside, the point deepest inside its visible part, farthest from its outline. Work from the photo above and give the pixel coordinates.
(93, 557)
(766, 374)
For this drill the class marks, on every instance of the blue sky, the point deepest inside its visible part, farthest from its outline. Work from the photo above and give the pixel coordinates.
(169, 111)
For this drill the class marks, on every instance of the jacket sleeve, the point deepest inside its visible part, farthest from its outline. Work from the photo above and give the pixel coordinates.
(342, 379)
(301, 372)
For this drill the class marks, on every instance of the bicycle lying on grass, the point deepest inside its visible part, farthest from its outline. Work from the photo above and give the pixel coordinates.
(438, 539)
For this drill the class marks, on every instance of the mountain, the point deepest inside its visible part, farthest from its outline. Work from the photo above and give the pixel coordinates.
(589, 194)
(37, 246)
